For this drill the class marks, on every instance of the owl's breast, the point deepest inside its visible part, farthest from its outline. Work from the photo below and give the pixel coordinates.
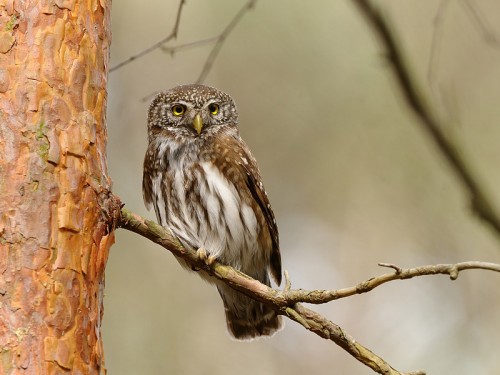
(204, 209)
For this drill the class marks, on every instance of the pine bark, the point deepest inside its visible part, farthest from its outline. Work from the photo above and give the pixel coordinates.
(55, 228)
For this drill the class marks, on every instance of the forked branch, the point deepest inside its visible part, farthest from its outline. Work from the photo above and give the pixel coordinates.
(288, 301)
(157, 45)
(217, 40)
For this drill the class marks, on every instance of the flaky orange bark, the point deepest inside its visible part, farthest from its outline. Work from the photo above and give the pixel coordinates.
(54, 237)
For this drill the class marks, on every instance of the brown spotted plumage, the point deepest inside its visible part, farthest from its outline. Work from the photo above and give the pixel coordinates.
(204, 185)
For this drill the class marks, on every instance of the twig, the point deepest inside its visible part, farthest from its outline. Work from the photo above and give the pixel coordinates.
(180, 47)
(436, 41)
(477, 18)
(445, 96)
(324, 296)
(222, 37)
(185, 46)
(481, 23)
(286, 302)
(219, 41)
(288, 283)
(430, 122)
(393, 266)
(172, 35)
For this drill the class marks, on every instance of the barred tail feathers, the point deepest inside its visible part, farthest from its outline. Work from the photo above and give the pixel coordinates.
(246, 318)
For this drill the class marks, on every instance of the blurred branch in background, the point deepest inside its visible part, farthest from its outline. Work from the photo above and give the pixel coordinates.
(287, 302)
(221, 38)
(157, 45)
(429, 120)
(219, 41)
(486, 33)
(478, 19)
(436, 40)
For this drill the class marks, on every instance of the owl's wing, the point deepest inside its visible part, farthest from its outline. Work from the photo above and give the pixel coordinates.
(147, 184)
(260, 196)
(248, 165)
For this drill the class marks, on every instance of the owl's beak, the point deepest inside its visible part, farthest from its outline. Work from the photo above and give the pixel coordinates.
(198, 123)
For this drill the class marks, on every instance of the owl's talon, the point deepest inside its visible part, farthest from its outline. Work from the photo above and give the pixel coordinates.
(202, 254)
(206, 258)
(210, 260)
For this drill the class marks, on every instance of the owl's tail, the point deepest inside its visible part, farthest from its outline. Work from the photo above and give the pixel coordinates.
(247, 319)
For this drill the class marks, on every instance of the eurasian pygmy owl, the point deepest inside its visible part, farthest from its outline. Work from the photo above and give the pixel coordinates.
(205, 186)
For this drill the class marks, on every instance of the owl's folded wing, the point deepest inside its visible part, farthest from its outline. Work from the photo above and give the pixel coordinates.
(254, 183)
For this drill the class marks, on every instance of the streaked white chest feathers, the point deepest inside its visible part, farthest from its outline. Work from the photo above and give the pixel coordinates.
(204, 209)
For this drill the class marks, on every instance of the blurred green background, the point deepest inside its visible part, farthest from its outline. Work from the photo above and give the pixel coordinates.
(352, 179)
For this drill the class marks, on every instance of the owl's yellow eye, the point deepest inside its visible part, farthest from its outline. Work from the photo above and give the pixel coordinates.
(213, 108)
(178, 110)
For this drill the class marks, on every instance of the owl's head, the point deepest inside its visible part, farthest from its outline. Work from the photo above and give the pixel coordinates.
(191, 111)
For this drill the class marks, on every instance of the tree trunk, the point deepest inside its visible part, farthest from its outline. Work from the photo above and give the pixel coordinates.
(55, 233)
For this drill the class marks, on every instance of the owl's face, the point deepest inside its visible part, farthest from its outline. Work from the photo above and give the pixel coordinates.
(191, 111)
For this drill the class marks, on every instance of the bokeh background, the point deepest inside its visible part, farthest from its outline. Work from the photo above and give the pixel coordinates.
(352, 178)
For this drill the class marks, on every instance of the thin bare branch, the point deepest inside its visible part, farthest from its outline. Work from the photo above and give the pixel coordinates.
(482, 24)
(324, 296)
(177, 48)
(222, 38)
(217, 40)
(436, 41)
(181, 47)
(157, 45)
(430, 122)
(288, 283)
(286, 302)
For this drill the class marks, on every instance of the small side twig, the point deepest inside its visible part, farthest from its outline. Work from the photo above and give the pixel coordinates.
(288, 283)
(393, 266)
(182, 47)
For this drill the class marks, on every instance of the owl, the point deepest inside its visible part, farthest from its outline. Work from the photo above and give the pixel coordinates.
(204, 185)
